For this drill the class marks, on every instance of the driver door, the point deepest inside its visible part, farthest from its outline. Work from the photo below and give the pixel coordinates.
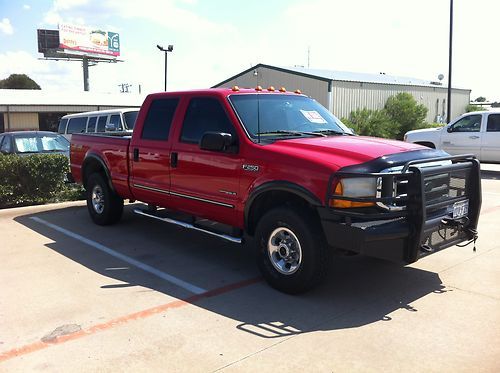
(463, 136)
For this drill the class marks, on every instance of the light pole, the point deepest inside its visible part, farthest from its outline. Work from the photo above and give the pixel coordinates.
(448, 109)
(170, 48)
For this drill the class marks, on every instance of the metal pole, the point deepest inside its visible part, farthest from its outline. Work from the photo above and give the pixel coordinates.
(85, 74)
(448, 110)
(165, 71)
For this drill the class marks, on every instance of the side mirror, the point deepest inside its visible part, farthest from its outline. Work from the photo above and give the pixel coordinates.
(110, 127)
(216, 141)
(449, 129)
(352, 130)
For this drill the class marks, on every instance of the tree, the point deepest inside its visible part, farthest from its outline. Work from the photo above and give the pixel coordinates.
(367, 122)
(481, 99)
(19, 81)
(406, 113)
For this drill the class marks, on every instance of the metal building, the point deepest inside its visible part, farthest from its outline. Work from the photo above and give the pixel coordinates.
(342, 92)
(25, 109)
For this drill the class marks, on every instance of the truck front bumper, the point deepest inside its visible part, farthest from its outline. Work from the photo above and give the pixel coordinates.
(428, 217)
(393, 239)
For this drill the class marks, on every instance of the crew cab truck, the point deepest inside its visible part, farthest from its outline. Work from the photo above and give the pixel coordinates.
(278, 168)
(475, 133)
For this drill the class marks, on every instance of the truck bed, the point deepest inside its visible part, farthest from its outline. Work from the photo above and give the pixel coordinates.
(112, 149)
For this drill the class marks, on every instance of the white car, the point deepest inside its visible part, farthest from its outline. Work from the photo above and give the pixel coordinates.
(475, 133)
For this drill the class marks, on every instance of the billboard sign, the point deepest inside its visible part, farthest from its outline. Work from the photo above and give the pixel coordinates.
(87, 40)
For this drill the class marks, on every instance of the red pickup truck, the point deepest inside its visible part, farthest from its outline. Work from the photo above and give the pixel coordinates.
(278, 167)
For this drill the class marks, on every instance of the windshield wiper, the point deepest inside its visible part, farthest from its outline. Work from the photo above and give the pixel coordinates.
(332, 132)
(293, 133)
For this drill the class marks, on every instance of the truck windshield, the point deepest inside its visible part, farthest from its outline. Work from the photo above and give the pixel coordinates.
(276, 115)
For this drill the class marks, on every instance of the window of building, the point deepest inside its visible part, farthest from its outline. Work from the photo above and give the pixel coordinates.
(49, 121)
(204, 114)
(159, 119)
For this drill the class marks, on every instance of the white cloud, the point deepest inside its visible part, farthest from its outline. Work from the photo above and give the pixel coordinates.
(6, 26)
(50, 75)
(26, 7)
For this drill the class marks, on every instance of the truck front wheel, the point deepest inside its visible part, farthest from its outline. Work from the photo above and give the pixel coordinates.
(105, 207)
(292, 255)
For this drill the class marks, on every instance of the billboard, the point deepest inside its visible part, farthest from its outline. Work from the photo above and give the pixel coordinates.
(88, 40)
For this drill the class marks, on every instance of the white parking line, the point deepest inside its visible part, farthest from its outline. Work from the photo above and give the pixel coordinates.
(164, 276)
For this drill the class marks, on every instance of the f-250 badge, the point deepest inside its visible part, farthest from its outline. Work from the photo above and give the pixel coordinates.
(250, 167)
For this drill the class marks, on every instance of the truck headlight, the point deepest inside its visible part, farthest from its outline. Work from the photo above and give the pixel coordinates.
(355, 187)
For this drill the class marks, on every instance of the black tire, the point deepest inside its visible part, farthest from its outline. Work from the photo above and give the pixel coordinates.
(105, 206)
(282, 224)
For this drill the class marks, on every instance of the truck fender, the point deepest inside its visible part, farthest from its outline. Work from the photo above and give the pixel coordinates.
(93, 158)
(282, 186)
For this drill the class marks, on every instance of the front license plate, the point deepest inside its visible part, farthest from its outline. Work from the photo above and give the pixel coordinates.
(460, 209)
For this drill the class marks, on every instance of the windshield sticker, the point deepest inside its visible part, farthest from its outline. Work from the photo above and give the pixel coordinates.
(313, 116)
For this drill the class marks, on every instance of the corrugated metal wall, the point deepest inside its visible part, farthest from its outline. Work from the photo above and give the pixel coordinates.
(266, 77)
(349, 96)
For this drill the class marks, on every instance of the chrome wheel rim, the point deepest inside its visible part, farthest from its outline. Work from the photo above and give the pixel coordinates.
(284, 250)
(98, 199)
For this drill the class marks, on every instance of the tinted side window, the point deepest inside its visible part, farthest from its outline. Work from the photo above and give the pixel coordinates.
(159, 119)
(101, 124)
(62, 126)
(204, 114)
(471, 123)
(77, 125)
(493, 123)
(91, 124)
(115, 119)
(6, 146)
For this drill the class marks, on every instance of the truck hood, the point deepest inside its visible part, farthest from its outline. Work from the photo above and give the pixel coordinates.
(341, 151)
(424, 130)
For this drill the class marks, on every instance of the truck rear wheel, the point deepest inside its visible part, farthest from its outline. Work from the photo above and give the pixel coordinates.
(292, 255)
(105, 206)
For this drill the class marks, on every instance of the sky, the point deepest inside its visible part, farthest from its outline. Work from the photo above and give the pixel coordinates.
(216, 39)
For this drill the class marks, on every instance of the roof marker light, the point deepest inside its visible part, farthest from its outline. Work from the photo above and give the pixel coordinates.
(271, 88)
(235, 88)
(298, 91)
(282, 89)
(258, 88)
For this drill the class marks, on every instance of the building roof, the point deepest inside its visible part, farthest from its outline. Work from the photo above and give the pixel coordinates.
(41, 97)
(335, 75)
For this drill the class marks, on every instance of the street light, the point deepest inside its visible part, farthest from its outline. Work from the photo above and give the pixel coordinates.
(170, 48)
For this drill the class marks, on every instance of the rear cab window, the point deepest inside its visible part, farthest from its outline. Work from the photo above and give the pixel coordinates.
(493, 123)
(130, 117)
(159, 119)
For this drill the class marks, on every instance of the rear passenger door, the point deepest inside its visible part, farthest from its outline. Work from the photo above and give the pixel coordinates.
(490, 145)
(205, 183)
(150, 153)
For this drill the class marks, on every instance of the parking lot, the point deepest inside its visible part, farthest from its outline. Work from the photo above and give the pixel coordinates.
(143, 295)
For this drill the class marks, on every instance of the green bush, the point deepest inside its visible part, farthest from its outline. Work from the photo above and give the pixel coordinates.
(406, 113)
(35, 179)
(470, 108)
(368, 122)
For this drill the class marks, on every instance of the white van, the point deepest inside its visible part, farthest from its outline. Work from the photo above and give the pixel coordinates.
(115, 120)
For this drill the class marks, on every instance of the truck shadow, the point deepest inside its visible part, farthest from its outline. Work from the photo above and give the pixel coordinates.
(358, 291)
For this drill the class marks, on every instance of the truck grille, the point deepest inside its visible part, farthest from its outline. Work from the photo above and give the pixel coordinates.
(441, 190)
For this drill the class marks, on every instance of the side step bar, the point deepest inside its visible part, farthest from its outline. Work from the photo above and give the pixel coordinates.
(188, 226)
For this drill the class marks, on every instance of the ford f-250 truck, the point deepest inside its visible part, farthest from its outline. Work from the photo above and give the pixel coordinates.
(278, 167)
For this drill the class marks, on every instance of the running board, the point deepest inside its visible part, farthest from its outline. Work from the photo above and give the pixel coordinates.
(189, 226)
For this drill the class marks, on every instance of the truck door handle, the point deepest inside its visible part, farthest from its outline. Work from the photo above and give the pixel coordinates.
(136, 155)
(173, 159)
(446, 142)
(473, 137)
